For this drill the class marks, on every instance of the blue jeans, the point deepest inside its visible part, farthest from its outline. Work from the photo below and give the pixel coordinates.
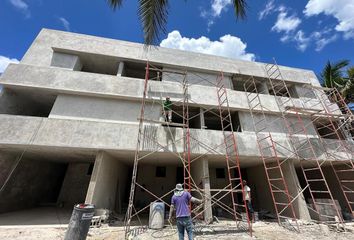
(185, 223)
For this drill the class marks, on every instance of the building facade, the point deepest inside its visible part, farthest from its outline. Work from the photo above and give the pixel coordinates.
(70, 113)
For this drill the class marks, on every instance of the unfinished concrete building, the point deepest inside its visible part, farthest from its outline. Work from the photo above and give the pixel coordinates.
(81, 122)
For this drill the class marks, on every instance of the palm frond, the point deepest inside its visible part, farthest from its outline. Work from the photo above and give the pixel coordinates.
(332, 74)
(240, 7)
(350, 73)
(153, 15)
(115, 3)
(340, 65)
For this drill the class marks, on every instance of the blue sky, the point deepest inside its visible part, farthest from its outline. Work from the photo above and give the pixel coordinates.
(302, 33)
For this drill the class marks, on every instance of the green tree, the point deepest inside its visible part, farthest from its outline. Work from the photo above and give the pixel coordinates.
(348, 88)
(153, 16)
(333, 75)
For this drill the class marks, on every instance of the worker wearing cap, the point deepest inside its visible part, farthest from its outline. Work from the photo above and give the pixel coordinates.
(247, 195)
(181, 200)
(167, 109)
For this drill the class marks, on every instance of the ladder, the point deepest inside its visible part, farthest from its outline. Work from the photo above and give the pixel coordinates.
(268, 149)
(345, 170)
(345, 176)
(303, 147)
(231, 152)
(129, 212)
(186, 138)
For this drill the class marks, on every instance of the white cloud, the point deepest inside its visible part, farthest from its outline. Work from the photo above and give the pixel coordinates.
(286, 23)
(342, 10)
(268, 9)
(218, 5)
(318, 39)
(301, 40)
(65, 23)
(228, 46)
(322, 42)
(5, 61)
(21, 6)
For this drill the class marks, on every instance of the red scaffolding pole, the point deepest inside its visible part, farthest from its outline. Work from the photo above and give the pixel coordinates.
(148, 144)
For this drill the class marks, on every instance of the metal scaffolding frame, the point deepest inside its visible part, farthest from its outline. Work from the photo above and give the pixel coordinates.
(303, 147)
(230, 151)
(270, 152)
(339, 122)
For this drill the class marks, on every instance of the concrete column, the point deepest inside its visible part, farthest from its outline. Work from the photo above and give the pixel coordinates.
(202, 119)
(263, 88)
(120, 69)
(107, 182)
(64, 60)
(294, 188)
(200, 175)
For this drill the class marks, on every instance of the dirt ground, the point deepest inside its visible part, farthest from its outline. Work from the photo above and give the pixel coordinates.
(261, 230)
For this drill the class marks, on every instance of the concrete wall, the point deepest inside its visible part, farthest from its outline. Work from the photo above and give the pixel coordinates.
(75, 184)
(14, 103)
(45, 180)
(40, 54)
(194, 77)
(335, 187)
(107, 182)
(58, 80)
(100, 109)
(257, 181)
(66, 61)
(158, 185)
(276, 124)
(7, 162)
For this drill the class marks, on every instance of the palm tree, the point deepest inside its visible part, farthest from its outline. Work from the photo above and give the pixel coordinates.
(153, 15)
(332, 74)
(348, 88)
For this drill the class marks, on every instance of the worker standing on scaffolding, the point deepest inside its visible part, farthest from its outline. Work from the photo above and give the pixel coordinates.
(167, 109)
(181, 200)
(247, 192)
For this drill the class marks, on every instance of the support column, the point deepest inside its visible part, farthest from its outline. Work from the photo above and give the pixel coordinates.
(200, 174)
(120, 69)
(202, 119)
(263, 88)
(107, 181)
(294, 188)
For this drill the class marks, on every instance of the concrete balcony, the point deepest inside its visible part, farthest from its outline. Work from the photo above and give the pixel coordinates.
(35, 132)
(59, 81)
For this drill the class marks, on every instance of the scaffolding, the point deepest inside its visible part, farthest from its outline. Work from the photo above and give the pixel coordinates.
(339, 123)
(303, 145)
(149, 144)
(270, 152)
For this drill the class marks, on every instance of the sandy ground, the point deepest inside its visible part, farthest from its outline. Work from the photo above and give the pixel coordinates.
(261, 230)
